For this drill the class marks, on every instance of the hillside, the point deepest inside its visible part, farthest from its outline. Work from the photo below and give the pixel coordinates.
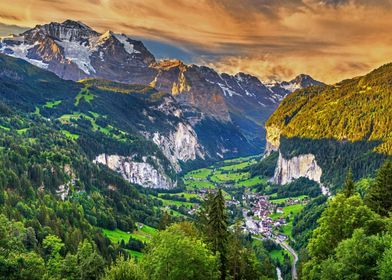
(240, 103)
(49, 186)
(134, 129)
(343, 125)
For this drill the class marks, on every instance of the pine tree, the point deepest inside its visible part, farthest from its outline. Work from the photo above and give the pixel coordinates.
(349, 186)
(379, 196)
(218, 229)
(203, 215)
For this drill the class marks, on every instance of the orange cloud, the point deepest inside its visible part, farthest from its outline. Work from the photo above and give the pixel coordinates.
(329, 39)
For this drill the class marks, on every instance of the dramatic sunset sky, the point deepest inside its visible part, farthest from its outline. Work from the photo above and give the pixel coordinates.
(328, 39)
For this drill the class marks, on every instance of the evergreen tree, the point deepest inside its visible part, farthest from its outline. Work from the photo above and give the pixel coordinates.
(379, 196)
(218, 230)
(91, 264)
(203, 215)
(384, 265)
(242, 262)
(52, 246)
(349, 186)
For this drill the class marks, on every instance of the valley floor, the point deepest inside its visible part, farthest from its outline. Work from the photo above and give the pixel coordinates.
(264, 216)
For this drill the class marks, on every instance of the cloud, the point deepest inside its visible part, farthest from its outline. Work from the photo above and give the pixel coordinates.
(6, 29)
(329, 39)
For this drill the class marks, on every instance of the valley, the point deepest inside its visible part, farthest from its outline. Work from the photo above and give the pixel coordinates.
(117, 163)
(262, 215)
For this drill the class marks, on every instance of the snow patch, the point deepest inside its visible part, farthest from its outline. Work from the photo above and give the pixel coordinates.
(291, 86)
(129, 48)
(79, 54)
(227, 91)
(21, 51)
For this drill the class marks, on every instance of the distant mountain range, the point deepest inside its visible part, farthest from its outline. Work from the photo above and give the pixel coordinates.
(74, 51)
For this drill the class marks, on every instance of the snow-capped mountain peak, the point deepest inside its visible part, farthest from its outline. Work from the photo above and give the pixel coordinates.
(300, 81)
(73, 50)
(68, 30)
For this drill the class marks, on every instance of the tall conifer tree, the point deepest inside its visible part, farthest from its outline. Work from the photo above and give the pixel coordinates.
(379, 196)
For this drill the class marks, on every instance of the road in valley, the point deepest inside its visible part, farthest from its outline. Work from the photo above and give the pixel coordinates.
(291, 251)
(288, 248)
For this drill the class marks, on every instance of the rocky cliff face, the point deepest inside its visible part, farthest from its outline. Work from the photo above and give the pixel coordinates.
(189, 86)
(180, 145)
(141, 173)
(288, 170)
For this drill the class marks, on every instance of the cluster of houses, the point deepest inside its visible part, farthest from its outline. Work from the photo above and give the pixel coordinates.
(258, 221)
(201, 193)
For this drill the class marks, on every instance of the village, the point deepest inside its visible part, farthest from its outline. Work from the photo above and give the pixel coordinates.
(259, 217)
(262, 216)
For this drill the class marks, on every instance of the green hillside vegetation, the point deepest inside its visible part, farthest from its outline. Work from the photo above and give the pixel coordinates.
(352, 110)
(82, 110)
(346, 125)
(118, 87)
(195, 251)
(85, 95)
(52, 104)
(33, 166)
(353, 238)
(143, 234)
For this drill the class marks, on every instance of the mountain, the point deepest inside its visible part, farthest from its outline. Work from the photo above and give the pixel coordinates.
(74, 51)
(133, 129)
(299, 82)
(322, 131)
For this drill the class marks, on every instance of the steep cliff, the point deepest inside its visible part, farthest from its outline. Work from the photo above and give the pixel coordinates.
(180, 145)
(304, 165)
(272, 139)
(141, 173)
(288, 170)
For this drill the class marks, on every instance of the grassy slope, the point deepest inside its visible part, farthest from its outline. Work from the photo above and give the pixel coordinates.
(143, 234)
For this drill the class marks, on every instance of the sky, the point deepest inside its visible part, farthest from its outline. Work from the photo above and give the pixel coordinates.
(273, 39)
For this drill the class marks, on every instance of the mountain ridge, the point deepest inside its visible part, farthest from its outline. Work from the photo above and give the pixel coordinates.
(74, 51)
(135, 123)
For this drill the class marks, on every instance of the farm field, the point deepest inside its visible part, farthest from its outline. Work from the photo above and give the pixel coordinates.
(144, 234)
(282, 200)
(228, 173)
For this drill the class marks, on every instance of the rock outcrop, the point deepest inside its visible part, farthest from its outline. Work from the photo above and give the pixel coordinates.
(180, 145)
(288, 170)
(141, 173)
